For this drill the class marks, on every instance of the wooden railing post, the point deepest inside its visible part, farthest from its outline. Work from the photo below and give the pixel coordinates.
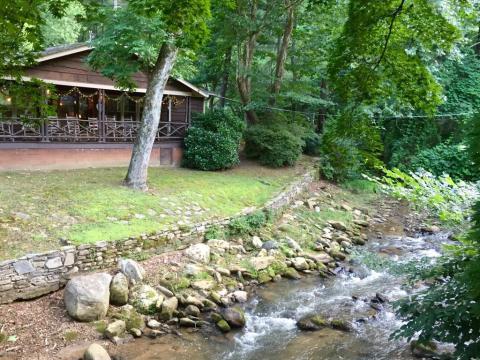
(101, 115)
(44, 130)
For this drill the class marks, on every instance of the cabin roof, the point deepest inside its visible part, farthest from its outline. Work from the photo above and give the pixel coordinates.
(66, 51)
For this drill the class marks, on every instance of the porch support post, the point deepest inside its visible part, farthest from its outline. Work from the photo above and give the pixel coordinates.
(101, 115)
(44, 122)
(169, 116)
(189, 110)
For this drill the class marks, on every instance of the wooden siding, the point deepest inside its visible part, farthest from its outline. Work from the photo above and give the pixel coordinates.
(72, 68)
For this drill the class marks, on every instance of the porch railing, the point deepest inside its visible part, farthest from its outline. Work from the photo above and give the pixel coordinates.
(81, 130)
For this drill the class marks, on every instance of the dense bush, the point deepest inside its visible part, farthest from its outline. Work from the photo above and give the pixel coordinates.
(452, 159)
(278, 141)
(212, 141)
(244, 225)
(350, 145)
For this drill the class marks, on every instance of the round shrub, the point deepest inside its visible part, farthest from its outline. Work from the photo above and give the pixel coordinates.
(273, 144)
(212, 142)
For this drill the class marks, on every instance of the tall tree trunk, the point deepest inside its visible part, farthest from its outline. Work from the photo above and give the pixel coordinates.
(246, 51)
(282, 52)
(225, 77)
(137, 171)
(477, 43)
(244, 81)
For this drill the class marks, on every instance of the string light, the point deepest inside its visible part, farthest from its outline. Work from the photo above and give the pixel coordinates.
(176, 100)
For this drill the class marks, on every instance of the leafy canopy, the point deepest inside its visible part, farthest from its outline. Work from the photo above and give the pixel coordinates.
(384, 50)
(132, 35)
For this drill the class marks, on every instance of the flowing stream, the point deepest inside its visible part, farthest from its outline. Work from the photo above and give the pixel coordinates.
(271, 332)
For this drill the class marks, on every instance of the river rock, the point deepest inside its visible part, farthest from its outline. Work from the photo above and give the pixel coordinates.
(186, 322)
(204, 285)
(262, 262)
(223, 326)
(199, 252)
(293, 244)
(300, 264)
(240, 296)
(132, 270)
(96, 352)
(270, 245)
(235, 317)
(87, 297)
(192, 300)
(154, 324)
(164, 291)
(338, 225)
(192, 270)
(115, 329)
(291, 273)
(119, 290)
(192, 310)
(257, 243)
(312, 323)
(168, 308)
(144, 298)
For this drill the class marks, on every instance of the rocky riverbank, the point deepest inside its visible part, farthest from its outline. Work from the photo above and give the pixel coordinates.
(204, 285)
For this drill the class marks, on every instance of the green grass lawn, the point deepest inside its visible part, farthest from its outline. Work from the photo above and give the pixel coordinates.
(37, 209)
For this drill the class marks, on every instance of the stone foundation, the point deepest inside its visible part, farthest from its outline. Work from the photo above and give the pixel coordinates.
(37, 274)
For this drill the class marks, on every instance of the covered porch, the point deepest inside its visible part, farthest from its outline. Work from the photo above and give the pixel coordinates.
(85, 115)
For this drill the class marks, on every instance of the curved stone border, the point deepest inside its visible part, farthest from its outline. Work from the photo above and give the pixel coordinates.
(37, 274)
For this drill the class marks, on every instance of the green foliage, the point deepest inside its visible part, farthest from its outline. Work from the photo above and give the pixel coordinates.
(133, 34)
(447, 158)
(213, 140)
(449, 310)
(405, 137)
(277, 141)
(214, 232)
(247, 224)
(21, 37)
(66, 29)
(441, 196)
(28, 98)
(384, 51)
(350, 145)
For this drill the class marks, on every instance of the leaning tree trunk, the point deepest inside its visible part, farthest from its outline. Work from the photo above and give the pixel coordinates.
(282, 53)
(246, 51)
(137, 171)
(225, 76)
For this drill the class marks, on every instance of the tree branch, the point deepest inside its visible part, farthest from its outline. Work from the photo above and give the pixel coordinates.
(390, 30)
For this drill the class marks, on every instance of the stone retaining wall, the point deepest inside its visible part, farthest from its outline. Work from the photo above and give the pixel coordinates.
(37, 274)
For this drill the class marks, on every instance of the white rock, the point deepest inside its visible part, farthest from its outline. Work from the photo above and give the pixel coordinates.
(240, 296)
(299, 263)
(132, 270)
(87, 297)
(199, 252)
(96, 352)
(257, 242)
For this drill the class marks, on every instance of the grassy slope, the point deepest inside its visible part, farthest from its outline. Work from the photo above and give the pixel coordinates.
(38, 208)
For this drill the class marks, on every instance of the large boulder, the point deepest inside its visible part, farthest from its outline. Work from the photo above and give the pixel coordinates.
(169, 306)
(115, 329)
(300, 264)
(96, 352)
(87, 297)
(132, 270)
(262, 262)
(144, 298)
(119, 290)
(199, 252)
(235, 317)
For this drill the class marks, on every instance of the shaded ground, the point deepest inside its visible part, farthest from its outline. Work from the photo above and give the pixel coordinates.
(38, 209)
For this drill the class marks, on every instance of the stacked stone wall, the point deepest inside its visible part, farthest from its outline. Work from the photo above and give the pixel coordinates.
(34, 275)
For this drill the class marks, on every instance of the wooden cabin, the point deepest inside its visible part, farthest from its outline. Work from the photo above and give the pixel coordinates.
(95, 123)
